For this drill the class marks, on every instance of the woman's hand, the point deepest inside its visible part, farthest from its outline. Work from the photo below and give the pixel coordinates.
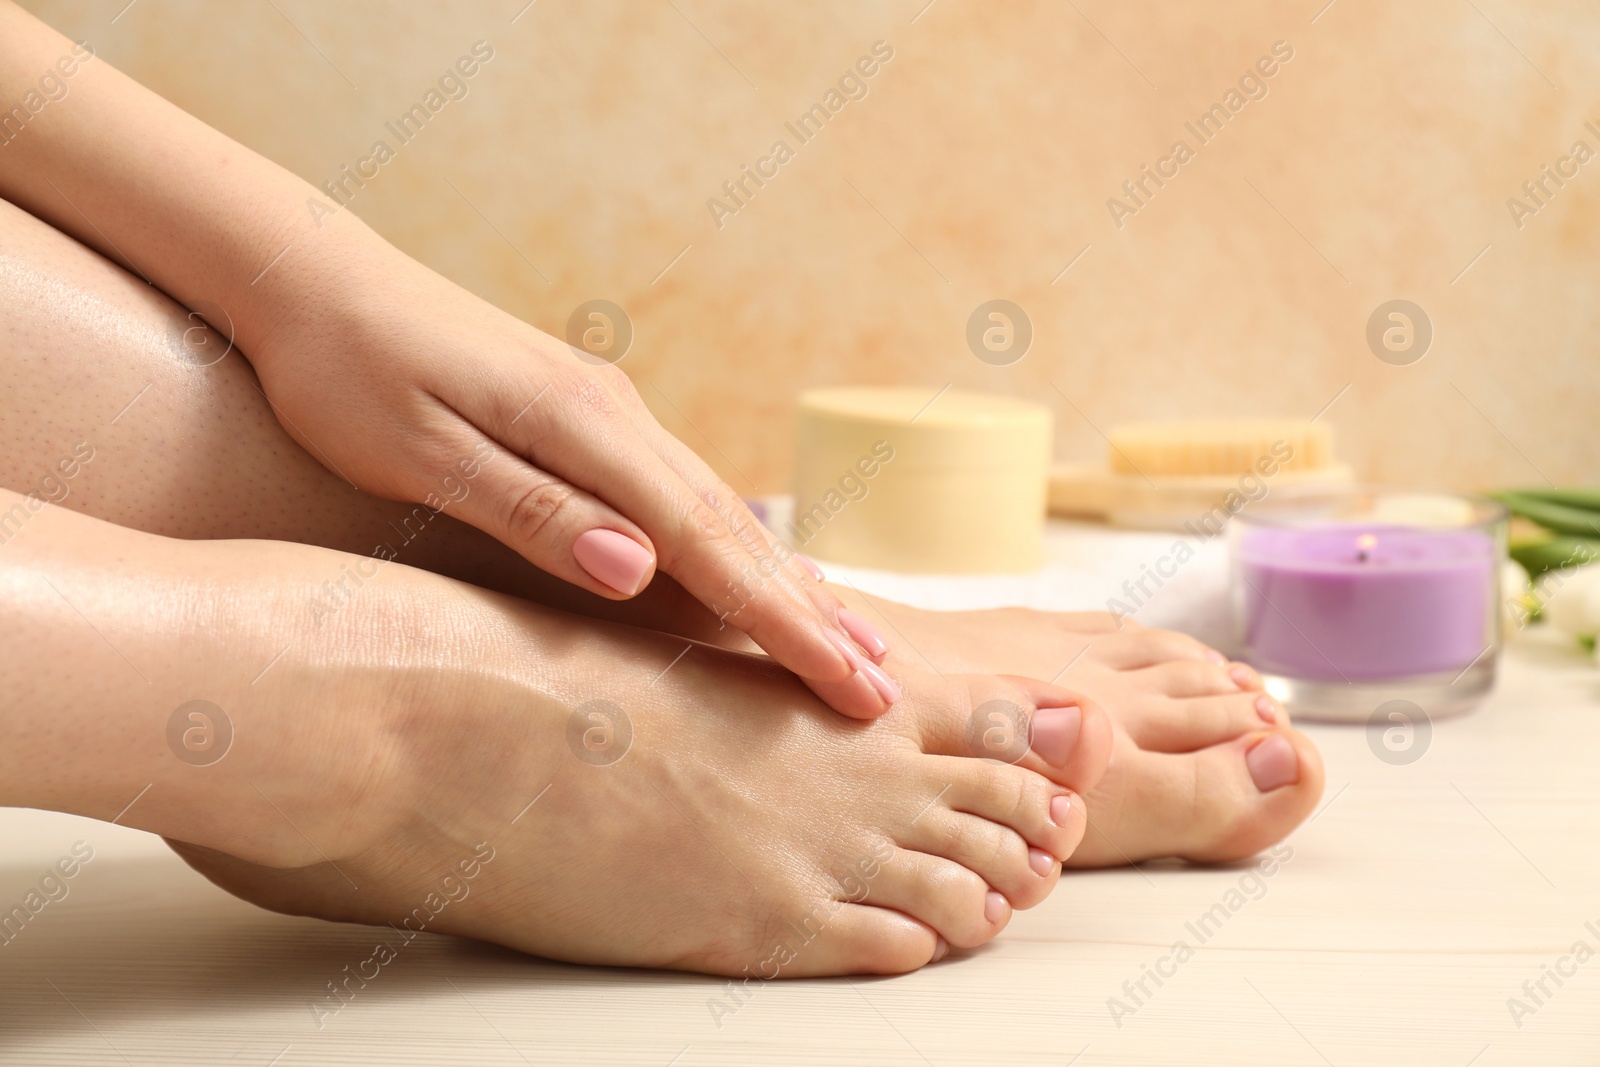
(401, 381)
(412, 388)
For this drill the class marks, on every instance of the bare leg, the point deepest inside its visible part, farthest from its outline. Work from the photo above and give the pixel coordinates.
(199, 454)
(423, 757)
(186, 445)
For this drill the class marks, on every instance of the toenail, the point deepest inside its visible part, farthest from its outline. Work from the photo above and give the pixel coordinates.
(1042, 862)
(994, 907)
(1055, 733)
(941, 949)
(1273, 764)
(811, 568)
(1244, 677)
(885, 685)
(1060, 809)
(863, 632)
(1213, 656)
(1266, 709)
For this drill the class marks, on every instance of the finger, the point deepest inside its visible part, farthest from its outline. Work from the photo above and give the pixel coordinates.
(555, 526)
(574, 428)
(798, 573)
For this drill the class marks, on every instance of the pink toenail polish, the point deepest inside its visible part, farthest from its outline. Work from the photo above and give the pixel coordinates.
(994, 907)
(941, 949)
(1043, 864)
(1265, 709)
(1273, 764)
(1055, 733)
(860, 629)
(885, 685)
(1213, 656)
(613, 559)
(810, 568)
(1244, 677)
(1060, 810)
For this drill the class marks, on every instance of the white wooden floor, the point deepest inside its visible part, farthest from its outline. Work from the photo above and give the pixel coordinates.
(1416, 903)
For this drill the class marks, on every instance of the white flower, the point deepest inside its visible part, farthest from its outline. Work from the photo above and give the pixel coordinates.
(1572, 600)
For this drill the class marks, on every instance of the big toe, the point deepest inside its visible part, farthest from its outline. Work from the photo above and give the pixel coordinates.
(1220, 803)
(1056, 732)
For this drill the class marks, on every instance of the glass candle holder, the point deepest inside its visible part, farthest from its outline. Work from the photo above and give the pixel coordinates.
(1347, 598)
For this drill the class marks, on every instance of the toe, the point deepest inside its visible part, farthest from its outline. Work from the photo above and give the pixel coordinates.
(1047, 816)
(1070, 739)
(1220, 803)
(1043, 728)
(856, 939)
(1133, 648)
(1168, 725)
(1192, 678)
(943, 894)
(1023, 874)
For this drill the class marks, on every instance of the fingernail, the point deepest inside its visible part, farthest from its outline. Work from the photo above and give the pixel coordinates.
(1213, 656)
(1042, 862)
(860, 629)
(1055, 733)
(885, 685)
(994, 907)
(613, 559)
(816, 572)
(1060, 810)
(847, 648)
(1273, 764)
(1265, 709)
(1244, 677)
(941, 949)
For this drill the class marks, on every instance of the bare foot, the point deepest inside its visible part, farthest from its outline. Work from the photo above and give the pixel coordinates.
(1205, 766)
(711, 815)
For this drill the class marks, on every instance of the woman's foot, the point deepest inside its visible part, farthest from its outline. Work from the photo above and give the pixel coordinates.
(1205, 766)
(617, 805)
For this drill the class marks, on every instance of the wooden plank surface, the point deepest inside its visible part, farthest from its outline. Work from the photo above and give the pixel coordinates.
(1415, 904)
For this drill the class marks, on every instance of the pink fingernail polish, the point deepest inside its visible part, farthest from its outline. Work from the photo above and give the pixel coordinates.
(941, 949)
(613, 559)
(1273, 763)
(1265, 709)
(847, 648)
(1060, 810)
(994, 907)
(885, 685)
(1244, 677)
(1043, 864)
(1055, 733)
(1213, 656)
(862, 630)
(811, 568)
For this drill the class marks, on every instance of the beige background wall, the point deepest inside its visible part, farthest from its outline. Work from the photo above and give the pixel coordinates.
(977, 167)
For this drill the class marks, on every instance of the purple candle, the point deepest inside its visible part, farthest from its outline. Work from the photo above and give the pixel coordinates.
(1357, 602)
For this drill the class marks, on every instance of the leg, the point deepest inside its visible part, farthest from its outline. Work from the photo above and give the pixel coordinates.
(185, 444)
(421, 757)
(199, 454)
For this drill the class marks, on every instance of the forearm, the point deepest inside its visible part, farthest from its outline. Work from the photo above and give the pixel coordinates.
(150, 186)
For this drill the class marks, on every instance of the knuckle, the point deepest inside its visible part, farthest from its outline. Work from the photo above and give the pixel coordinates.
(956, 836)
(593, 396)
(701, 528)
(534, 514)
(620, 385)
(1032, 799)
